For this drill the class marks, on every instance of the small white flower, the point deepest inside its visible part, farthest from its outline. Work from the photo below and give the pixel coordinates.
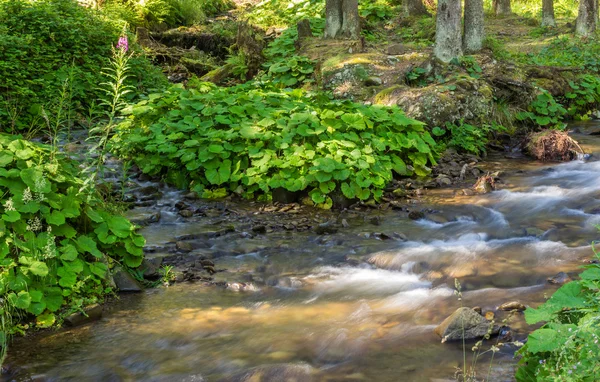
(9, 205)
(27, 197)
(34, 225)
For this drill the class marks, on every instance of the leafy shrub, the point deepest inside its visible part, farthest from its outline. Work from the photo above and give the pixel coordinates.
(544, 111)
(42, 43)
(466, 137)
(250, 141)
(584, 96)
(239, 67)
(565, 51)
(55, 241)
(284, 13)
(376, 11)
(291, 72)
(284, 67)
(566, 347)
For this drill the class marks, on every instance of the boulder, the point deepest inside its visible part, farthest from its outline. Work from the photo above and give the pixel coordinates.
(150, 267)
(124, 281)
(464, 322)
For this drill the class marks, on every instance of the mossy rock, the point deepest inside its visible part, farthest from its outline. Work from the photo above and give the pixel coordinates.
(465, 98)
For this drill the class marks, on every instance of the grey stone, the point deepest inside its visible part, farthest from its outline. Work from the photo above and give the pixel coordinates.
(124, 281)
(184, 246)
(373, 81)
(464, 322)
(559, 278)
(150, 267)
(396, 49)
(92, 313)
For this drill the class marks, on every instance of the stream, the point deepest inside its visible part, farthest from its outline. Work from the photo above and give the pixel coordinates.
(349, 306)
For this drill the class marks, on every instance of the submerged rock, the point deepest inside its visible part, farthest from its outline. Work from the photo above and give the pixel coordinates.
(326, 228)
(416, 215)
(286, 372)
(513, 305)
(464, 322)
(559, 278)
(91, 313)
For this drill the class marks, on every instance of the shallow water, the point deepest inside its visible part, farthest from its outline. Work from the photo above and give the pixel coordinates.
(343, 307)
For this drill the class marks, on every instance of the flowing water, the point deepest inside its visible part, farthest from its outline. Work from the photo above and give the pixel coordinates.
(342, 307)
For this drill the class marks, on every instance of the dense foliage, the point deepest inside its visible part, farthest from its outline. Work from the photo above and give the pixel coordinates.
(46, 45)
(566, 347)
(57, 240)
(158, 14)
(251, 140)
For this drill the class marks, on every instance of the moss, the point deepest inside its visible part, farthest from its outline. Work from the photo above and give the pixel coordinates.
(385, 97)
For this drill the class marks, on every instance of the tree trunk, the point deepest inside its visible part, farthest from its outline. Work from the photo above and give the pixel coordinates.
(548, 13)
(474, 26)
(502, 7)
(414, 8)
(586, 18)
(448, 34)
(341, 19)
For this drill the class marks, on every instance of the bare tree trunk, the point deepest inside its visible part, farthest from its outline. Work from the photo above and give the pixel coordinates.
(548, 13)
(586, 18)
(448, 33)
(502, 7)
(341, 19)
(414, 8)
(474, 26)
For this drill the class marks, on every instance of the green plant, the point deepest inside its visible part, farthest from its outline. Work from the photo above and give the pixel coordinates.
(56, 245)
(566, 347)
(566, 51)
(112, 102)
(469, 64)
(43, 43)
(284, 13)
(584, 96)
(466, 137)
(544, 111)
(496, 46)
(296, 70)
(416, 77)
(239, 67)
(250, 141)
(167, 275)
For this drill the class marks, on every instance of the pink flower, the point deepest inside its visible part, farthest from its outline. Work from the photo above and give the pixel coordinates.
(123, 43)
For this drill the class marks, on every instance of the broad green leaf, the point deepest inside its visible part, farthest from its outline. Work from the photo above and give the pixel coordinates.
(87, 244)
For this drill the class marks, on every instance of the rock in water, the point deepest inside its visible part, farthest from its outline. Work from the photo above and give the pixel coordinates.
(286, 372)
(513, 305)
(416, 215)
(124, 281)
(92, 313)
(464, 321)
(560, 278)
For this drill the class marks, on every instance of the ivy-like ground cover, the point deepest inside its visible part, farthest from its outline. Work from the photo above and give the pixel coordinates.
(250, 141)
(57, 240)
